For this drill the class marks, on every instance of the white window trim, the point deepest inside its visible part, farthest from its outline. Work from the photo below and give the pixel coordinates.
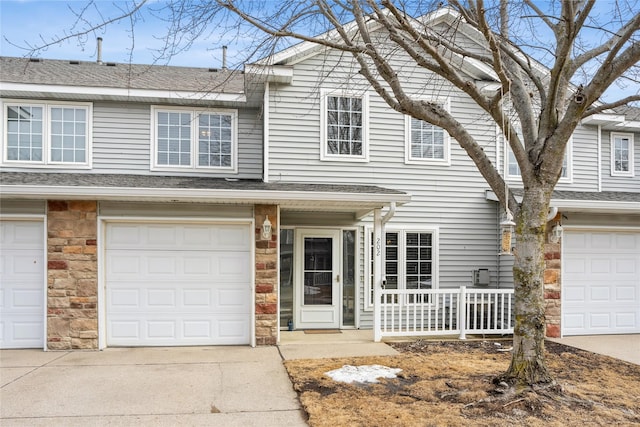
(324, 154)
(46, 162)
(630, 172)
(409, 160)
(569, 156)
(368, 303)
(563, 179)
(193, 163)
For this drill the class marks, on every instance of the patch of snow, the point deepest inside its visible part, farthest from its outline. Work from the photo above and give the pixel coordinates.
(362, 374)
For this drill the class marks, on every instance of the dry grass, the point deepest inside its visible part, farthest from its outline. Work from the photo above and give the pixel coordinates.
(450, 384)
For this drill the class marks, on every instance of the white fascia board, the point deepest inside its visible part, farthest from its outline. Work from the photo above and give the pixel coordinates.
(210, 195)
(604, 119)
(124, 92)
(270, 73)
(631, 125)
(602, 206)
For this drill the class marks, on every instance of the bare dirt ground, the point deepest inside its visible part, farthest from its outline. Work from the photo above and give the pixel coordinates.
(449, 383)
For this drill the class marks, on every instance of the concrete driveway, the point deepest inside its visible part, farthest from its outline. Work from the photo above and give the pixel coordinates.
(623, 347)
(213, 386)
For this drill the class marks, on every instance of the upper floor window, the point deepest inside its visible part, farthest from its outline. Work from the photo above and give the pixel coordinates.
(344, 128)
(622, 154)
(513, 169)
(425, 142)
(41, 134)
(190, 139)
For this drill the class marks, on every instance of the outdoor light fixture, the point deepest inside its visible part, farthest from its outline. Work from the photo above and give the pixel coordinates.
(266, 228)
(556, 233)
(506, 232)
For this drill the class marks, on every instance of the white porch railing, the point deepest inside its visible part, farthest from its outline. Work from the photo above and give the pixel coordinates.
(428, 312)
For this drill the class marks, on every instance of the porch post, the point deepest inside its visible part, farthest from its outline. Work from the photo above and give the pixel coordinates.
(462, 312)
(377, 274)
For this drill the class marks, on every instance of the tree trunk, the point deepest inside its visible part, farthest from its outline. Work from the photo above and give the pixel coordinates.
(528, 365)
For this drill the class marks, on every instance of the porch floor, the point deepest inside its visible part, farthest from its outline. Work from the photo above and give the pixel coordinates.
(348, 343)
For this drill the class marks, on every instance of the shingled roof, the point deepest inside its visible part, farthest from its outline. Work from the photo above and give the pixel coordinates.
(119, 75)
(359, 199)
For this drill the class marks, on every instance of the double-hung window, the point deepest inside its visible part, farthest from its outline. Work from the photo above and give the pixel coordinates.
(425, 142)
(192, 139)
(409, 261)
(47, 134)
(512, 169)
(344, 127)
(622, 154)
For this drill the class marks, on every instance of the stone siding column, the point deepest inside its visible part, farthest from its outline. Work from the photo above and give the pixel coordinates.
(72, 281)
(552, 288)
(266, 286)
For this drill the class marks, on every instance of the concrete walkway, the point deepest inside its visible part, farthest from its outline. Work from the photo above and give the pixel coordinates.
(623, 347)
(194, 386)
(347, 343)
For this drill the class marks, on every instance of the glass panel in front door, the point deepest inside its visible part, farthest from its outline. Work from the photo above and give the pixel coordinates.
(318, 271)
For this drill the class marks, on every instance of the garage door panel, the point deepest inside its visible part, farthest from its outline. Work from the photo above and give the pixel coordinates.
(175, 284)
(171, 236)
(601, 282)
(22, 278)
(202, 299)
(626, 320)
(170, 331)
(183, 265)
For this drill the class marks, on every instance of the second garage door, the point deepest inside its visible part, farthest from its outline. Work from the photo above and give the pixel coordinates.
(601, 282)
(170, 284)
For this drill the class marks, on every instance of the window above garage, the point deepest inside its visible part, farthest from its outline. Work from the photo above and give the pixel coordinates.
(187, 139)
(41, 134)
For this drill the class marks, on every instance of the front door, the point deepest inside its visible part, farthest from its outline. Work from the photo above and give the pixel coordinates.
(318, 279)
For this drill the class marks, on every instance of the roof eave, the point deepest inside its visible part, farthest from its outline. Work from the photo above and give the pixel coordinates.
(359, 203)
(588, 206)
(10, 89)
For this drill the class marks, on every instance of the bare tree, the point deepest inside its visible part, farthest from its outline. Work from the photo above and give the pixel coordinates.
(552, 65)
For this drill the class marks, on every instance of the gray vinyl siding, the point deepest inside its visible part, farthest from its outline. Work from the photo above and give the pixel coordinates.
(620, 183)
(447, 198)
(584, 161)
(121, 144)
(601, 221)
(121, 138)
(22, 207)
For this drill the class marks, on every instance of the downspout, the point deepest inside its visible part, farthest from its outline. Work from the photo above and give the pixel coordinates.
(265, 136)
(599, 159)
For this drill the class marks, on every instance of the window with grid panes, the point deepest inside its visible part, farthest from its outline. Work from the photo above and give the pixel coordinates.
(194, 139)
(344, 126)
(408, 261)
(47, 134)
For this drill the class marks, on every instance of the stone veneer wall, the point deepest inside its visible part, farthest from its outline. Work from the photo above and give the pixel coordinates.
(72, 281)
(266, 267)
(552, 286)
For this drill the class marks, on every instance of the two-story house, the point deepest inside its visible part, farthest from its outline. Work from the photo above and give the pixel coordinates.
(149, 205)
(134, 210)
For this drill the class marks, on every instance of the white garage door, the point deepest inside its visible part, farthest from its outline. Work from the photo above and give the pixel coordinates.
(22, 284)
(601, 282)
(178, 284)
